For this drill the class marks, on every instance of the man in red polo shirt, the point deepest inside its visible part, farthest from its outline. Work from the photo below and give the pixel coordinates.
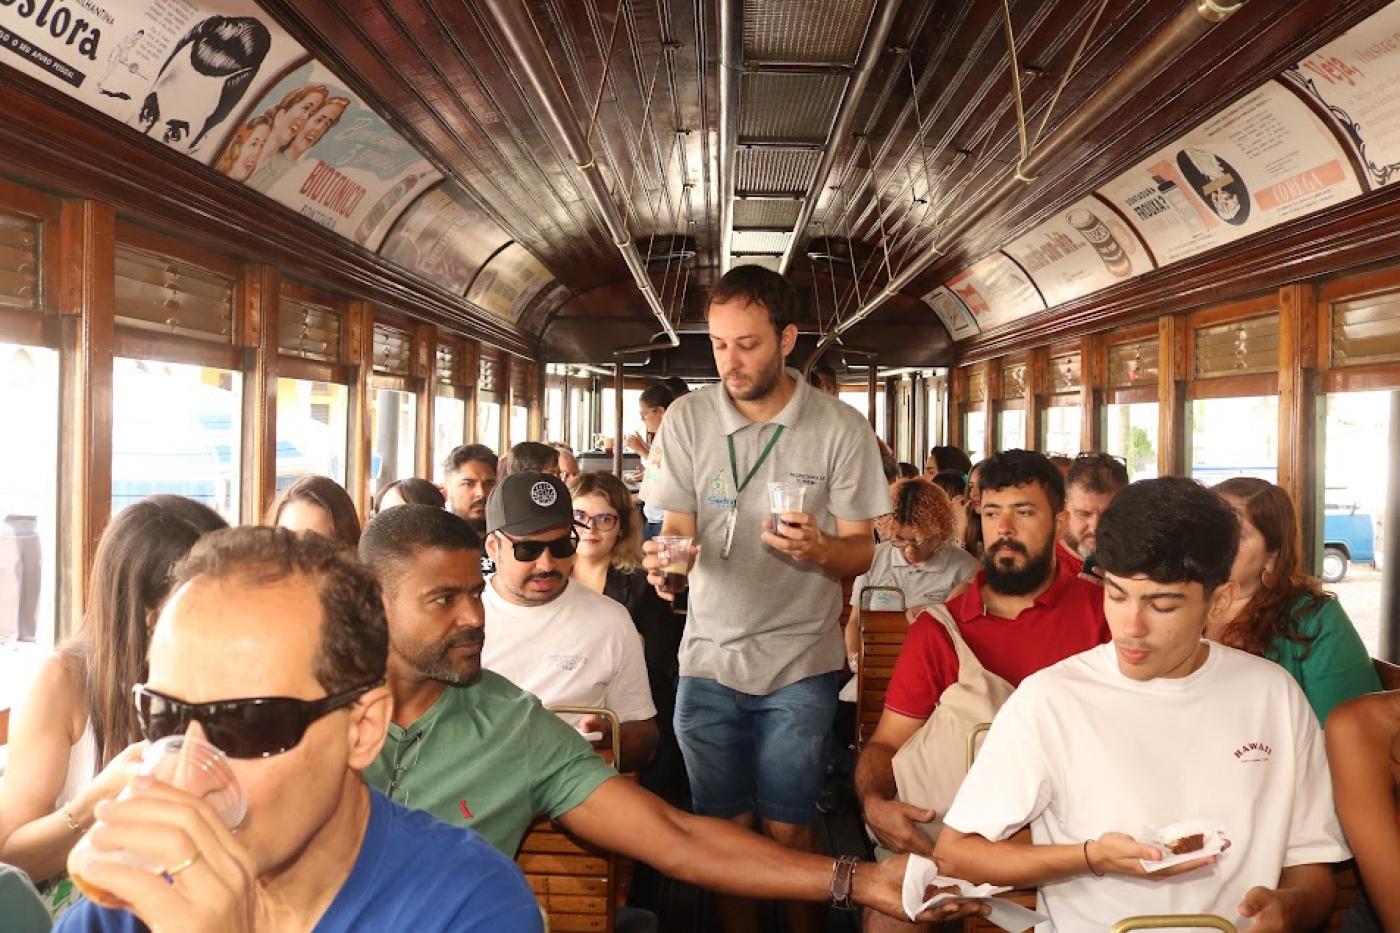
(1092, 482)
(1025, 610)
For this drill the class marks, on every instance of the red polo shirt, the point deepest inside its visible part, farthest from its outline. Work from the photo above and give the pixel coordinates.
(1064, 620)
(1065, 556)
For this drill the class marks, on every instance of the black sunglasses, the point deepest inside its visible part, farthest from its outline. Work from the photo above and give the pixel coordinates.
(258, 727)
(529, 551)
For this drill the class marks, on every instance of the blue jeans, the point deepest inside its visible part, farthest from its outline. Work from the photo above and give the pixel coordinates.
(765, 754)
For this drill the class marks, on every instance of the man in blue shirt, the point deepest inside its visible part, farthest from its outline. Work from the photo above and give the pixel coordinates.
(261, 613)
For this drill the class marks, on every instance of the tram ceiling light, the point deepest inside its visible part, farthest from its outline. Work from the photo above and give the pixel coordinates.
(1194, 20)
(512, 18)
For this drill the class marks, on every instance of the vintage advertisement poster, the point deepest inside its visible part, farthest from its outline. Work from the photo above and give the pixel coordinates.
(444, 237)
(1080, 251)
(952, 312)
(178, 71)
(1264, 160)
(311, 144)
(996, 291)
(508, 283)
(1354, 79)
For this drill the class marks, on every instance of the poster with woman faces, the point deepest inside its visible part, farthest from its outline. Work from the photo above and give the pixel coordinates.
(1265, 160)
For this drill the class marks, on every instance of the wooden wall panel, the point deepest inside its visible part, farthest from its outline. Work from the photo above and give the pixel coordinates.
(425, 341)
(257, 302)
(1298, 468)
(359, 353)
(1172, 407)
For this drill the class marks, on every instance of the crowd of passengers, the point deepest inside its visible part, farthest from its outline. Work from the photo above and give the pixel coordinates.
(1150, 655)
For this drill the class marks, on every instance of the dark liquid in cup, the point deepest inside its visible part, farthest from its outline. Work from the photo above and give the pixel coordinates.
(778, 523)
(673, 582)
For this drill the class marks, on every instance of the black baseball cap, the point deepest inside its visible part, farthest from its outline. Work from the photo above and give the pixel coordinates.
(528, 503)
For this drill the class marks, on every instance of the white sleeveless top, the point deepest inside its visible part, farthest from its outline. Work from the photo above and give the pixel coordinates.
(81, 766)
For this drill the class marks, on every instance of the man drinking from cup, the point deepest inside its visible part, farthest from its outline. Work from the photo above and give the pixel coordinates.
(273, 649)
(762, 649)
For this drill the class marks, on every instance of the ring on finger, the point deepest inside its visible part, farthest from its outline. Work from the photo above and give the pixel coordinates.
(174, 870)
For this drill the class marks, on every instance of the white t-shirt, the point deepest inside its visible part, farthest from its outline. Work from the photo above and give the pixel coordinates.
(579, 650)
(1081, 750)
(924, 584)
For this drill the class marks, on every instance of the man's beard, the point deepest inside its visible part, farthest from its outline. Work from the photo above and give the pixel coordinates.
(434, 661)
(477, 524)
(764, 384)
(1013, 582)
(530, 599)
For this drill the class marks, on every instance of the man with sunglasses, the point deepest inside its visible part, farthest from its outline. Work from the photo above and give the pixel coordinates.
(273, 648)
(553, 636)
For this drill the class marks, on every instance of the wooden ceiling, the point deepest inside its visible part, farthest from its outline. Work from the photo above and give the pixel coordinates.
(934, 130)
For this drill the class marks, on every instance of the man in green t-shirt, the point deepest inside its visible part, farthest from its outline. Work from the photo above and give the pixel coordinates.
(476, 751)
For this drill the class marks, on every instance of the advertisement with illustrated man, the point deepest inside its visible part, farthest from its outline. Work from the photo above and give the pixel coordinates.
(180, 72)
(444, 238)
(1265, 160)
(952, 312)
(311, 144)
(997, 292)
(1079, 252)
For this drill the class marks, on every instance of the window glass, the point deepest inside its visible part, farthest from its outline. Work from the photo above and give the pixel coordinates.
(1234, 437)
(519, 424)
(1354, 535)
(488, 425)
(580, 425)
(859, 399)
(631, 413)
(176, 429)
(311, 430)
(449, 429)
(28, 508)
(392, 433)
(554, 414)
(1130, 432)
(1060, 429)
(1011, 429)
(975, 434)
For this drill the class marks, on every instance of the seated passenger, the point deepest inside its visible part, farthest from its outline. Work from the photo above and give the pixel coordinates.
(529, 457)
(609, 561)
(1105, 751)
(412, 491)
(318, 504)
(1363, 752)
(947, 457)
(258, 613)
(565, 643)
(1024, 611)
(568, 463)
(72, 737)
(475, 750)
(1093, 480)
(1279, 611)
(469, 476)
(955, 485)
(916, 555)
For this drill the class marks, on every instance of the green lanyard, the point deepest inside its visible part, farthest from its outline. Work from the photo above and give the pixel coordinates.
(734, 466)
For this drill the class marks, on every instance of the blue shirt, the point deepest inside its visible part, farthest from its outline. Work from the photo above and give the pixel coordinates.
(412, 873)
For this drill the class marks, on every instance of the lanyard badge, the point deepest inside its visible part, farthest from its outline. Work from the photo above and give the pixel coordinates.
(731, 520)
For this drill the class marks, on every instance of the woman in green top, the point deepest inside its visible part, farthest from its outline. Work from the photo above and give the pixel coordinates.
(1280, 612)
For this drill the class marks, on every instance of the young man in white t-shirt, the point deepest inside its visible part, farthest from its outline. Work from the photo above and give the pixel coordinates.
(556, 638)
(1158, 727)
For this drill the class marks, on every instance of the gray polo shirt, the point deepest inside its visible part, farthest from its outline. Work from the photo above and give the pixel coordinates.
(760, 620)
(924, 584)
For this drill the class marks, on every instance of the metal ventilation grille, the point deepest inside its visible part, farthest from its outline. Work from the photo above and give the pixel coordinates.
(1238, 348)
(488, 375)
(1366, 331)
(775, 171)
(445, 370)
(788, 108)
(392, 350)
(825, 31)
(761, 241)
(159, 293)
(1133, 364)
(766, 212)
(522, 374)
(1013, 380)
(1064, 374)
(308, 331)
(767, 262)
(19, 262)
(977, 386)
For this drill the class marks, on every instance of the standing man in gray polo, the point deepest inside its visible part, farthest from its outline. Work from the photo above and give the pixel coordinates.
(762, 644)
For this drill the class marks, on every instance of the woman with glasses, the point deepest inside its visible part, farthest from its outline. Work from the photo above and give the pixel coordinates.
(1279, 611)
(72, 738)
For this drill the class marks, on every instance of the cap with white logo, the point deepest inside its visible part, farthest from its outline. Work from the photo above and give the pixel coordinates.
(528, 503)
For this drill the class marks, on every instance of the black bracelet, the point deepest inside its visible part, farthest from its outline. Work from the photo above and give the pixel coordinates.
(1097, 873)
(843, 874)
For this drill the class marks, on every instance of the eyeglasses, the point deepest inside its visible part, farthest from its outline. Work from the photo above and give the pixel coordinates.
(530, 551)
(258, 727)
(603, 521)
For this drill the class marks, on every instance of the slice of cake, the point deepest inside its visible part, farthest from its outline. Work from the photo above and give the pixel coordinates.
(1183, 844)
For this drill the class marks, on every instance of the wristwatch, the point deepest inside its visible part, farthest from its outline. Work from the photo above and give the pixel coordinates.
(843, 874)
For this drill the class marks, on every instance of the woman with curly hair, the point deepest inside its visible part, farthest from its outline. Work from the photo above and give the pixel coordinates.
(1279, 611)
(918, 553)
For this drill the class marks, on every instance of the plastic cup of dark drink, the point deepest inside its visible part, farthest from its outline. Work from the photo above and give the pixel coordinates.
(674, 553)
(785, 497)
(181, 761)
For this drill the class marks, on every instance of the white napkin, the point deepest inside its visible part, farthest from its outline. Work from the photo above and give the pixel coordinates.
(920, 873)
(1214, 844)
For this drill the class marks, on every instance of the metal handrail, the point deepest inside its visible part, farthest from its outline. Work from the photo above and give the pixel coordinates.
(977, 730)
(598, 711)
(1174, 921)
